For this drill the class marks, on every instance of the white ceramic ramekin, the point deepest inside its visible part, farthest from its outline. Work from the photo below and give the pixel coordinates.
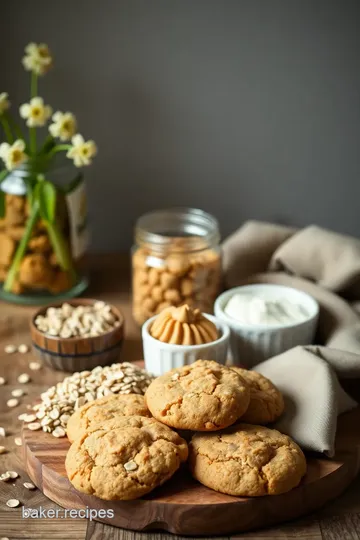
(251, 344)
(161, 357)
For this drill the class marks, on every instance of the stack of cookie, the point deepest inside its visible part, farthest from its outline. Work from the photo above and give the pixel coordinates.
(124, 446)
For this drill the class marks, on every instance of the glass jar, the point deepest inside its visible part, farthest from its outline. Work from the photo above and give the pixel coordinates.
(39, 264)
(176, 260)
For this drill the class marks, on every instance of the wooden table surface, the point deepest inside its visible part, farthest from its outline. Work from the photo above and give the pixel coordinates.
(339, 520)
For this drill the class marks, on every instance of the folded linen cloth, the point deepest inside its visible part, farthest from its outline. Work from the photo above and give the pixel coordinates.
(327, 266)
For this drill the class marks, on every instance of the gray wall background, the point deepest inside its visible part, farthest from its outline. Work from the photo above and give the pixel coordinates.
(245, 108)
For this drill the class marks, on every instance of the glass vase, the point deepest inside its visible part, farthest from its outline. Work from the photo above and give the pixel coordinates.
(40, 264)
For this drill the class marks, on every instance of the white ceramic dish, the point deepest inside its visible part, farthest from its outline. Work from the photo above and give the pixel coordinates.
(251, 344)
(161, 357)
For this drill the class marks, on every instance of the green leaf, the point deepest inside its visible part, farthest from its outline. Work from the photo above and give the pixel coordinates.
(45, 194)
(2, 203)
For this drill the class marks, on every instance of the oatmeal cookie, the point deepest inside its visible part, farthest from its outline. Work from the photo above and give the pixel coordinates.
(125, 458)
(266, 401)
(247, 461)
(204, 396)
(106, 408)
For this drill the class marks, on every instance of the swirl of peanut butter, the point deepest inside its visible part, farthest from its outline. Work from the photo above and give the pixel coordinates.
(183, 326)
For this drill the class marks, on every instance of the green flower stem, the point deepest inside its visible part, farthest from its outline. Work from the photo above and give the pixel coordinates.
(60, 248)
(6, 127)
(32, 139)
(59, 148)
(3, 175)
(15, 127)
(34, 84)
(21, 249)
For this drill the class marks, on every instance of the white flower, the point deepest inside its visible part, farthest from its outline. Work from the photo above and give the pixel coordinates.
(35, 112)
(13, 155)
(4, 102)
(37, 58)
(64, 126)
(82, 151)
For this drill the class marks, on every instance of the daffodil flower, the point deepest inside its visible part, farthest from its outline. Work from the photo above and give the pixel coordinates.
(13, 155)
(37, 58)
(64, 126)
(4, 102)
(35, 112)
(81, 151)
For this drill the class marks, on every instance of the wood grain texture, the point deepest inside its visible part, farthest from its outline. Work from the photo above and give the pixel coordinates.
(184, 506)
(111, 283)
(78, 354)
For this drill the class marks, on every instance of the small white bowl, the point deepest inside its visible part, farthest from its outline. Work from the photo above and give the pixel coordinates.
(252, 344)
(161, 357)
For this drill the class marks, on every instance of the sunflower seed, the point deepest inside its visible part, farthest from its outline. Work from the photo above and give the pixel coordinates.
(13, 503)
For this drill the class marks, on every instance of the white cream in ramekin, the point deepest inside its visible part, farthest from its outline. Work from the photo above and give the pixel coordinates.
(259, 329)
(161, 357)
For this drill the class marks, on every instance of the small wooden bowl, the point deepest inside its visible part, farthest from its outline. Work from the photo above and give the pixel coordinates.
(78, 354)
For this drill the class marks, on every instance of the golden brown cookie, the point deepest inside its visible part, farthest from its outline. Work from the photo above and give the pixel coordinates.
(36, 272)
(247, 461)
(7, 249)
(103, 409)
(125, 459)
(266, 401)
(204, 396)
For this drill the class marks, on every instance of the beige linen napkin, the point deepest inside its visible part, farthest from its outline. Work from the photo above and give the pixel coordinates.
(325, 265)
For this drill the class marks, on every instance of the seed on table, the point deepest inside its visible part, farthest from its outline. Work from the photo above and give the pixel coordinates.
(18, 441)
(10, 349)
(23, 378)
(5, 477)
(18, 392)
(34, 366)
(2, 381)
(2, 432)
(23, 349)
(2, 450)
(59, 432)
(34, 426)
(29, 418)
(4, 538)
(12, 402)
(13, 474)
(54, 414)
(29, 485)
(13, 503)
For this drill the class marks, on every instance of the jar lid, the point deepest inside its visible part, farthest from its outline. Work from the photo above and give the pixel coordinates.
(196, 229)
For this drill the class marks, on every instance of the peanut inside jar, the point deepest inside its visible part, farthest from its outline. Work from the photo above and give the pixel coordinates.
(182, 270)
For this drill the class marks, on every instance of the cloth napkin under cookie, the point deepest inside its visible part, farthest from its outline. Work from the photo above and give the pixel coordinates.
(327, 266)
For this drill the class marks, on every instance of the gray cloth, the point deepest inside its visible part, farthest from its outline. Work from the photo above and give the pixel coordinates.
(327, 266)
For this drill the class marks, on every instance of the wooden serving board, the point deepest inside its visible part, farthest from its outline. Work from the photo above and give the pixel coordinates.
(184, 506)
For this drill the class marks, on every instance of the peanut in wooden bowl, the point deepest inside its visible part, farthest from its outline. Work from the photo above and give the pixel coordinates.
(77, 353)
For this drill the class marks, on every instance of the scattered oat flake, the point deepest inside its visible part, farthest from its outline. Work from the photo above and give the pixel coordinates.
(2, 450)
(13, 503)
(2, 432)
(12, 402)
(23, 378)
(34, 366)
(2, 381)
(4, 538)
(29, 418)
(59, 432)
(23, 349)
(18, 441)
(34, 426)
(22, 416)
(10, 349)
(29, 485)
(5, 477)
(18, 392)
(13, 474)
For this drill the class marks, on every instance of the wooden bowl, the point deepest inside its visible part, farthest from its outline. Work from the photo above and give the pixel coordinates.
(76, 353)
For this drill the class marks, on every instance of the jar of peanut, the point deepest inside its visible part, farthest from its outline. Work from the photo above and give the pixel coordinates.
(176, 260)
